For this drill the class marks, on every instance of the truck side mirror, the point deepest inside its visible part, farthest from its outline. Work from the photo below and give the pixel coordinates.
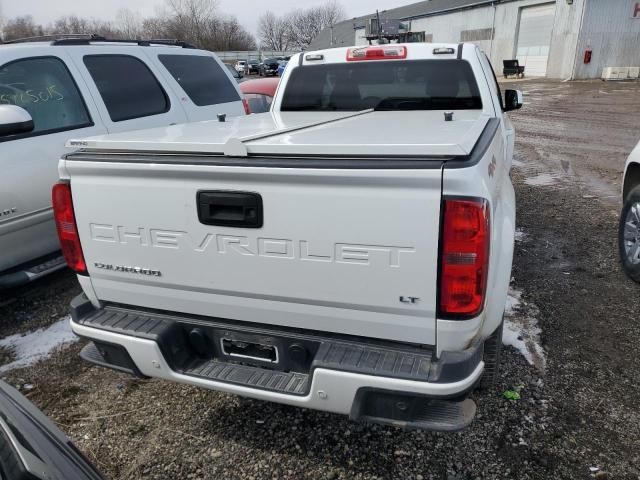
(14, 120)
(513, 100)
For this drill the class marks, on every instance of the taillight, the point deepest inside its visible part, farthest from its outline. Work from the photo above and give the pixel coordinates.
(464, 257)
(66, 226)
(245, 104)
(382, 52)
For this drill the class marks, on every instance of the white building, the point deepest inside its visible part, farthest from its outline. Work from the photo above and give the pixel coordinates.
(563, 39)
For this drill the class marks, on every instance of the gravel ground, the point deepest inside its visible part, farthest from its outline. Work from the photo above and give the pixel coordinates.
(581, 411)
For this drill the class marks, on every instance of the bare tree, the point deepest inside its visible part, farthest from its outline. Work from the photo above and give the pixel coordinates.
(21, 27)
(330, 14)
(230, 35)
(73, 24)
(129, 24)
(274, 32)
(305, 24)
(200, 23)
(192, 18)
(70, 24)
(194, 21)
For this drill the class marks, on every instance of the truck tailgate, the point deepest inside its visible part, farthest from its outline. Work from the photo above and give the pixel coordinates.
(349, 251)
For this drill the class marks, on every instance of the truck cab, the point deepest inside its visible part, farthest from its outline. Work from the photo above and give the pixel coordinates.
(349, 251)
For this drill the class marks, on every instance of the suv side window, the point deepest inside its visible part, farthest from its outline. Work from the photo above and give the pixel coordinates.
(127, 86)
(201, 78)
(44, 87)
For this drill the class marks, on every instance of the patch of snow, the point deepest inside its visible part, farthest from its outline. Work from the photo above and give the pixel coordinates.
(520, 235)
(514, 298)
(36, 345)
(521, 329)
(541, 180)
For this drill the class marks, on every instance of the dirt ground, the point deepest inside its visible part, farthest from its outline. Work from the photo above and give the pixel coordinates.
(579, 413)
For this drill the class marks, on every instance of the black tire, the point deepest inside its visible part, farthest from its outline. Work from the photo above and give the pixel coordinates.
(630, 265)
(491, 357)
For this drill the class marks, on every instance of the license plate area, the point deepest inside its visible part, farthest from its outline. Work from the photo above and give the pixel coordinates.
(247, 350)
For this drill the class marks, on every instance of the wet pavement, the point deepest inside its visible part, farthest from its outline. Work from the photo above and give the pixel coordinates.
(577, 134)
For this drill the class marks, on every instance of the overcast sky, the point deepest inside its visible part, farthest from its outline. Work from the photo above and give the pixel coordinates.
(247, 11)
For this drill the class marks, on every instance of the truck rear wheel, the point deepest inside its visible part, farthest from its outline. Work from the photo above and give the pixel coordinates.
(491, 358)
(629, 235)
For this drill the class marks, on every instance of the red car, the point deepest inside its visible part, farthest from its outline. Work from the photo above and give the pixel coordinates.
(259, 93)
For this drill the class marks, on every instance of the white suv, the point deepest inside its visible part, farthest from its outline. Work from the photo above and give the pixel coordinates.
(82, 86)
(240, 66)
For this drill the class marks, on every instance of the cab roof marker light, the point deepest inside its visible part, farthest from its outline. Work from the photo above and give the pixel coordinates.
(378, 52)
(314, 57)
(444, 51)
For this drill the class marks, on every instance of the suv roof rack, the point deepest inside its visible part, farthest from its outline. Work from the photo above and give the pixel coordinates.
(55, 37)
(88, 38)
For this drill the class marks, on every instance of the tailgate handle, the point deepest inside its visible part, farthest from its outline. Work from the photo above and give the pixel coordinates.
(230, 209)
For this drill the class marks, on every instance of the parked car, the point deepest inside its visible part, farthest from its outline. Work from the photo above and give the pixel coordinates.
(259, 93)
(33, 448)
(269, 67)
(74, 87)
(629, 231)
(282, 64)
(241, 66)
(253, 66)
(349, 252)
(238, 76)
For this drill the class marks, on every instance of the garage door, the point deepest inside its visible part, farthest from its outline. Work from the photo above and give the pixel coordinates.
(534, 38)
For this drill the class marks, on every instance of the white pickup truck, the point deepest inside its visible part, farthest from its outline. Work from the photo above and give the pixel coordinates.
(350, 251)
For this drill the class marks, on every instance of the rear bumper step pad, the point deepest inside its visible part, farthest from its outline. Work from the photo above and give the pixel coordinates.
(172, 335)
(290, 383)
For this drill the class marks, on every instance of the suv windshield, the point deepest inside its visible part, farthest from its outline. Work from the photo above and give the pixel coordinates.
(383, 85)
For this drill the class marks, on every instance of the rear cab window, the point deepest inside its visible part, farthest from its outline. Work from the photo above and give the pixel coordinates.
(383, 85)
(201, 78)
(127, 86)
(258, 102)
(44, 87)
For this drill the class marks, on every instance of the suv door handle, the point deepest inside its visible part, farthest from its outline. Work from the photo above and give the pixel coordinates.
(230, 209)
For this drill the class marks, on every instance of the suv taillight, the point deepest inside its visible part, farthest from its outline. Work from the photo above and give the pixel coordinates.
(464, 257)
(66, 226)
